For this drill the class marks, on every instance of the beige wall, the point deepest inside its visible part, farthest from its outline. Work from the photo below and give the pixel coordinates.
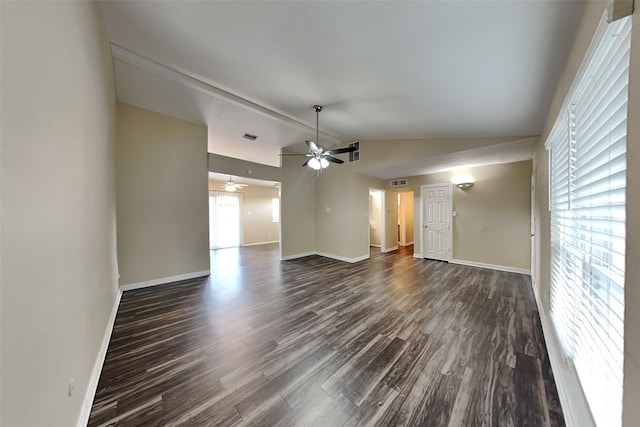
(297, 209)
(375, 217)
(237, 167)
(375, 154)
(342, 212)
(405, 217)
(58, 249)
(257, 215)
(631, 409)
(162, 197)
(493, 223)
(391, 221)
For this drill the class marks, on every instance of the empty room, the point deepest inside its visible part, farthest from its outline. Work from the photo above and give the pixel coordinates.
(313, 213)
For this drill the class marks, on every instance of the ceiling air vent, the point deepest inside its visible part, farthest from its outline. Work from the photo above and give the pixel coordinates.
(354, 156)
(400, 182)
(250, 137)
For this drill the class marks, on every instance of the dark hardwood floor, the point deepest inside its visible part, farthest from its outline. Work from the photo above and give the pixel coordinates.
(390, 341)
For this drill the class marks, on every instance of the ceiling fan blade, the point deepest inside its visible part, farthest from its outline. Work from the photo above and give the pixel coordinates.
(296, 154)
(342, 150)
(305, 163)
(333, 159)
(313, 147)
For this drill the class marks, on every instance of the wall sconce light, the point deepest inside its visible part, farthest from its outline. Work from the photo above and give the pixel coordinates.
(464, 185)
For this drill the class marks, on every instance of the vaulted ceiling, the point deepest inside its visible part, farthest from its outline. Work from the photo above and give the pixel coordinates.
(382, 70)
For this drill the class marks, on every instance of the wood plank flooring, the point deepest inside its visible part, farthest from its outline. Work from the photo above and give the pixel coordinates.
(389, 341)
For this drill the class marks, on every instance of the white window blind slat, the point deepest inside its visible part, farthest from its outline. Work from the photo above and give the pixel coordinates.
(605, 128)
(596, 157)
(587, 195)
(602, 125)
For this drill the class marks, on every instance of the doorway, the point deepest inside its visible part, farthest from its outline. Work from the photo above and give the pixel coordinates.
(376, 218)
(534, 276)
(435, 221)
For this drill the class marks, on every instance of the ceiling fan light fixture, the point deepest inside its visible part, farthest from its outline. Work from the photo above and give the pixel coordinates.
(319, 157)
(314, 164)
(230, 188)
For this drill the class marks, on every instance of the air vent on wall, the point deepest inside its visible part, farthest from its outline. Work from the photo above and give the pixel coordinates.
(250, 137)
(401, 182)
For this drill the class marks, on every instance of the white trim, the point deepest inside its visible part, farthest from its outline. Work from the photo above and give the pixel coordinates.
(572, 400)
(202, 86)
(491, 266)
(375, 246)
(391, 249)
(259, 243)
(417, 255)
(164, 280)
(296, 256)
(409, 243)
(92, 387)
(326, 255)
(345, 259)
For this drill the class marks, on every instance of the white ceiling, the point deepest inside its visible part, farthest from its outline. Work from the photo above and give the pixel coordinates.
(382, 70)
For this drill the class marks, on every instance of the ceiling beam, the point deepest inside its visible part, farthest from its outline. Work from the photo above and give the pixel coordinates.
(164, 71)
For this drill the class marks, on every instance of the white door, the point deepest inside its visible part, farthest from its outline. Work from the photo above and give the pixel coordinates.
(436, 225)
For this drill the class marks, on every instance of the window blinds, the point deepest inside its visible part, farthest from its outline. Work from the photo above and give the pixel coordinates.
(587, 202)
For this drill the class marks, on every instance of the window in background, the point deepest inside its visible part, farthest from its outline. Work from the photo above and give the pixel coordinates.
(275, 209)
(224, 219)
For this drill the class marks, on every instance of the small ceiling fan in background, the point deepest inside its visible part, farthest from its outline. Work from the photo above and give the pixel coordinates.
(233, 186)
(319, 157)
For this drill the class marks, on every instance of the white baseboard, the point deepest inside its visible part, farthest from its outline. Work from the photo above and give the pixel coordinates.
(326, 255)
(92, 387)
(491, 266)
(261, 243)
(572, 400)
(341, 258)
(391, 249)
(417, 255)
(164, 280)
(409, 243)
(375, 246)
(296, 256)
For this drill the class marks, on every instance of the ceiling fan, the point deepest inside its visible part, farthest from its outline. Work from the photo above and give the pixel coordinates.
(233, 186)
(319, 157)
